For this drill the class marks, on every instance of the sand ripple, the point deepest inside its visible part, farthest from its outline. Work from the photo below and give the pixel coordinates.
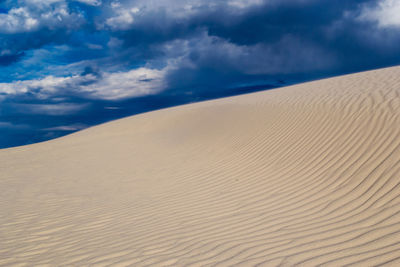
(304, 175)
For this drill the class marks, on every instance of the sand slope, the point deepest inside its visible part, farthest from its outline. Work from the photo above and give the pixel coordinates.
(303, 175)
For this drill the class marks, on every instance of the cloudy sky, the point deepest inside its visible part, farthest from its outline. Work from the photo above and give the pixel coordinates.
(66, 65)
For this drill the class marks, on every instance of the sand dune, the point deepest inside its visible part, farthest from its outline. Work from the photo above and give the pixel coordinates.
(303, 175)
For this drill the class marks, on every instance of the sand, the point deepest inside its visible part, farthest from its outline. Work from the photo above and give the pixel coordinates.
(303, 175)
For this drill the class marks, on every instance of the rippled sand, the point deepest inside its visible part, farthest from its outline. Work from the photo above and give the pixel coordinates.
(302, 175)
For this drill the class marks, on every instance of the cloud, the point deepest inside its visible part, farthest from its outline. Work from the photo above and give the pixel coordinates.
(244, 3)
(91, 2)
(123, 18)
(162, 14)
(119, 85)
(67, 128)
(287, 55)
(50, 2)
(17, 20)
(60, 109)
(40, 87)
(33, 15)
(9, 125)
(172, 37)
(208, 62)
(133, 83)
(94, 46)
(386, 13)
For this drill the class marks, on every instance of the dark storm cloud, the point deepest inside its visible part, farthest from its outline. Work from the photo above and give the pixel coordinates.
(134, 33)
(275, 37)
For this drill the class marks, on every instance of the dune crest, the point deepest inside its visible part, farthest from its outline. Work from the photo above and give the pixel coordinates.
(303, 175)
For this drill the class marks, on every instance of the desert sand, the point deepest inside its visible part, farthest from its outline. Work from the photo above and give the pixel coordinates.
(303, 175)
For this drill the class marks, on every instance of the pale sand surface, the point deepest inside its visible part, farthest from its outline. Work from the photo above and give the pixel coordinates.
(302, 175)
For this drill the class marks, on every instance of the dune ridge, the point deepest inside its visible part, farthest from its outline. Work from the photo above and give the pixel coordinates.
(304, 175)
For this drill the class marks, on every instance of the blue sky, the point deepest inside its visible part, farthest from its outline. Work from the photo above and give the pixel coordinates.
(66, 65)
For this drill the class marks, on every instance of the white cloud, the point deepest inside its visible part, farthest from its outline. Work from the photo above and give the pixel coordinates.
(123, 17)
(137, 82)
(126, 14)
(386, 13)
(91, 2)
(118, 85)
(50, 109)
(17, 20)
(244, 3)
(42, 87)
(50, 2)
(72, 127)
(41, 3)
(34, 14)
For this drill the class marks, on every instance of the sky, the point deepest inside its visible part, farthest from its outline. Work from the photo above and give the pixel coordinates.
(66, 65)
